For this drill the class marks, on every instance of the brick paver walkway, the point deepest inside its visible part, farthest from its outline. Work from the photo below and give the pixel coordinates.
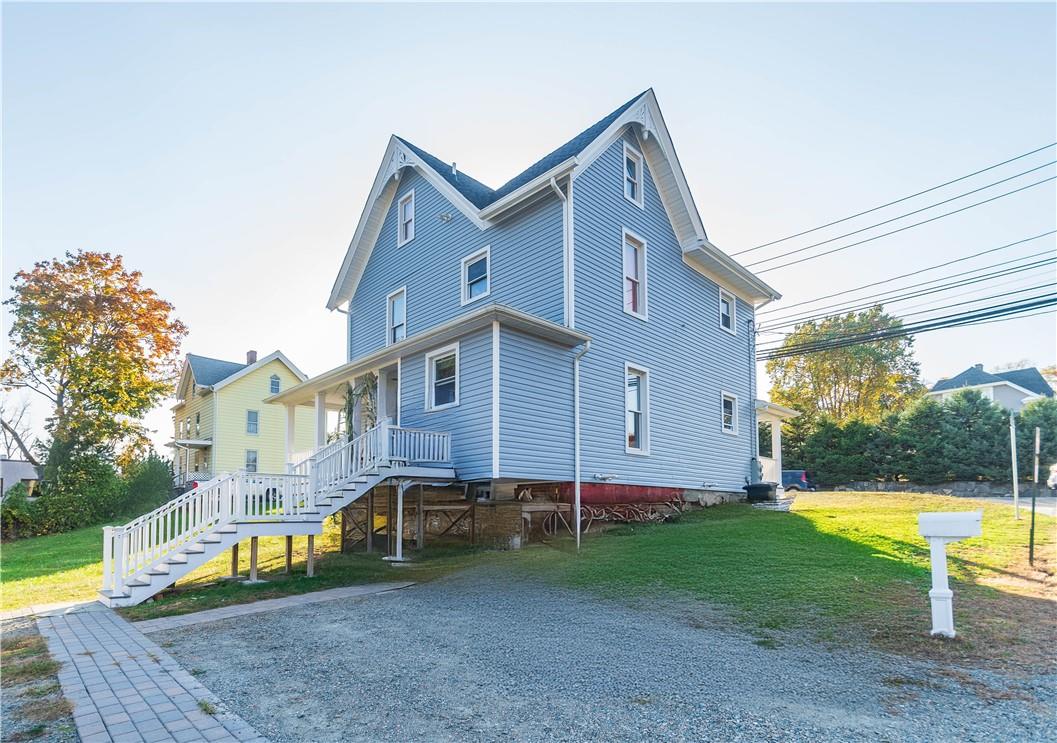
(124, 687)
(238, 610)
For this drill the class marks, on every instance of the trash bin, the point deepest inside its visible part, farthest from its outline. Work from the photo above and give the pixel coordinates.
(761, 491)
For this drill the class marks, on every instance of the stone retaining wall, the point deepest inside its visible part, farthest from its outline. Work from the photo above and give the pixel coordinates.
(964, 489)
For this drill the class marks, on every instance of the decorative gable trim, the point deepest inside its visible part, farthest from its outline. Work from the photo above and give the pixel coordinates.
(397, 157)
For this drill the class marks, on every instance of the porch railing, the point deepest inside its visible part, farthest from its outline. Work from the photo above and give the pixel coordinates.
(414, 445)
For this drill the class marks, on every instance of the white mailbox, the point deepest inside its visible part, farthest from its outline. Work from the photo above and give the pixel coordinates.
(939, 529)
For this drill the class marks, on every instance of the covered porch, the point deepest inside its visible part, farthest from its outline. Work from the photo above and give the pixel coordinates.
(769, 418)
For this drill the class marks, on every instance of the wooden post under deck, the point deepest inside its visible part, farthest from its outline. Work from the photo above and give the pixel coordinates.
(235, 560)
(344, 531)
(389, 520)
(253, 559)
(311, 564)
(370, 521)
(289, 554)
(420, 522)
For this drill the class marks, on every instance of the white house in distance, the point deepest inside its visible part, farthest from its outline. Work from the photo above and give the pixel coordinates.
(1011, 389)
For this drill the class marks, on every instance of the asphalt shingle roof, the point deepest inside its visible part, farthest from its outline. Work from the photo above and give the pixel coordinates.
(209, 371)
(481, 195)
(1029, 379)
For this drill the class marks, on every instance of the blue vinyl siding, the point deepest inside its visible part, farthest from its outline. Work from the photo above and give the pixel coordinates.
(469, 422)
(690, 359)
(526, 265)
(536, 408)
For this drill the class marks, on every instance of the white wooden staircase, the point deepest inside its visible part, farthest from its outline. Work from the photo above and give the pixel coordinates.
(155, 550)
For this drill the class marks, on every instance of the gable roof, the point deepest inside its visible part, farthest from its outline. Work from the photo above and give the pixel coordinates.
(1029, 379)
(482, 204)
(215, 373)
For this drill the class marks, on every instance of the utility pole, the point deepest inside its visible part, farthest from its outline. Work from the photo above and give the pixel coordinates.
(1034, 494)
(1013, 453)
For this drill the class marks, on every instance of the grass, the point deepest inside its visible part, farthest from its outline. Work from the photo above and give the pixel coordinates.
(52, 569)
(840, 564)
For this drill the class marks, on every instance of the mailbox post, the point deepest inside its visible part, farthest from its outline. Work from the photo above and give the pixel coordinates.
(940, 529)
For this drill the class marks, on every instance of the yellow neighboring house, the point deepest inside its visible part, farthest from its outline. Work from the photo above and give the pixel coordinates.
(222, 423)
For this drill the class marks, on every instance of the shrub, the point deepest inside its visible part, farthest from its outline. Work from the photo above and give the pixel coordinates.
(1041, 413)
(975, 437)
(148, 484)
(84, 492)
(17, 512)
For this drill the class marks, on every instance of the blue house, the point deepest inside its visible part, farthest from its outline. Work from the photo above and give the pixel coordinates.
(571, 337)
(574, 325)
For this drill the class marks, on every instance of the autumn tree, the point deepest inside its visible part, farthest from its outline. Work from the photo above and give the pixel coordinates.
(99, 346)
(863, 382)
(15, 429)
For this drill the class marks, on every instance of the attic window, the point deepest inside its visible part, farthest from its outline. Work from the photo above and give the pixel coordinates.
(273, 384)
(632, 175)
(405, 214)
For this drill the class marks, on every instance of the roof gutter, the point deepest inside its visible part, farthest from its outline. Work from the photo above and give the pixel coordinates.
(538, 183)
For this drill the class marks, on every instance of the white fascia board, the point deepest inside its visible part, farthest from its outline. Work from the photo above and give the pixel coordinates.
(397, 157)
(773, 409)
(447, 332)
(257, 365)
(728, 273)
(539, 183)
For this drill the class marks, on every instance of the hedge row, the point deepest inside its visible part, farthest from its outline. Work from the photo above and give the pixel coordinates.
(965, 437)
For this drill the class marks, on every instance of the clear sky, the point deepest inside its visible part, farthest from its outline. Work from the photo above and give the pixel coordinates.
(226, 150)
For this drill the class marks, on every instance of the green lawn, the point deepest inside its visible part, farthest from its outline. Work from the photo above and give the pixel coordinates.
(839, 562)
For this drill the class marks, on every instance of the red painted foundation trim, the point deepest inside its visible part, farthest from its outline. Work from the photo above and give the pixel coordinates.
(604, 492)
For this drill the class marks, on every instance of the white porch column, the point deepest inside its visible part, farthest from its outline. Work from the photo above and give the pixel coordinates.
(291, 417)
(356, 424)
(398, 557)
(321, 419)
(381, 403)
(776, 451)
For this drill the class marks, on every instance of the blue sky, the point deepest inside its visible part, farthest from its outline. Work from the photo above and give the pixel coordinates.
(226, 150)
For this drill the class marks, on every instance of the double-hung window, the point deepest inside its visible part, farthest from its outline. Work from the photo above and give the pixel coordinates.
(727, 312)
(405, 219)
(636, 405)
(476, 276)
(396, 316)
(634, 275)
(251, 460)
(632, 175)
(729, 413)
(273, 384)
(198, 425)
(252, 421)
(442, 378)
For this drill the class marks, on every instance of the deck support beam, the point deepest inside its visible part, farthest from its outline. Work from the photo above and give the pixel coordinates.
(370, 521)
(289, 554)
(253, 559)
(234, 561)
(398, 556)
(310, 565)
(420, 521)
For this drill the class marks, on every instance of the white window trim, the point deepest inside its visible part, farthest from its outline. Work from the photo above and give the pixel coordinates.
(634, 154)
(724, 294)
(428, 375)
(625, 233)
(722, 398)
(644, 450)
(486, 251)
(400, 241)
(246, 460)
(389, 314)
(248, 432)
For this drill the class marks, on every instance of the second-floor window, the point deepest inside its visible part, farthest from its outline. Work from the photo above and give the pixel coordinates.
(405, 216)
(187, 429)
(634, 275)
(727, 310)
(476, 276)
(251, 460)
(632, 175)
(396, 317)
(252, 421)
(198, 425)
(273, 384)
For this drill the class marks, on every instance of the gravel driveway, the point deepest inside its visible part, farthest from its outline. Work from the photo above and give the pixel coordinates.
(480, 657)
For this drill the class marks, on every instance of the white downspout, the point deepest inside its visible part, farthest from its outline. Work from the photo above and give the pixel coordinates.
(576, 437)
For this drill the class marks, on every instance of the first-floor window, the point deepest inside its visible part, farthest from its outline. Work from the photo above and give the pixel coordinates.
(636, 401)
(730, 413)
(252, 421)
(442, 378)
(251, 460)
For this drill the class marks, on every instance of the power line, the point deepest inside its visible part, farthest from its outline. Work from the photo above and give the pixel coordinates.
(967, 317)
(893, 232)
(897, 201)
(912, 273)
(1017, 317)
(884, 298)
(903, 216)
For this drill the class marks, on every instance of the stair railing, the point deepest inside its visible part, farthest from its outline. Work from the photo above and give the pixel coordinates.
(337, 466)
